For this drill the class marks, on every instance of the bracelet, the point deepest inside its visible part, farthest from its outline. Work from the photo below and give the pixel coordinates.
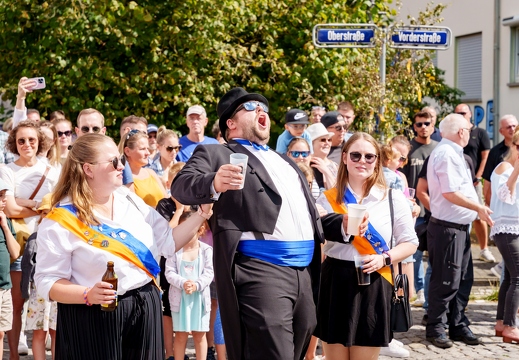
(19, 97)
(203, 214)
(85, 296)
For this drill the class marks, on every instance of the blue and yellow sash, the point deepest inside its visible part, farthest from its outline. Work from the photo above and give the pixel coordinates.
(372, 242)
(118, 242)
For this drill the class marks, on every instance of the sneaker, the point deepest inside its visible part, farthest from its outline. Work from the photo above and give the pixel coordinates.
(211, 353)
(393, 350)
(420, 299)
(487, 256)
(23, 349)
(398, 343)
(497, 270)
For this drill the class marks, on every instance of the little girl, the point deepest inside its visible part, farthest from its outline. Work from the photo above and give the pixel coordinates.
(189, 273)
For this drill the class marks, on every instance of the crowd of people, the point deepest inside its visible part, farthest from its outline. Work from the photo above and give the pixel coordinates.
(254, 260)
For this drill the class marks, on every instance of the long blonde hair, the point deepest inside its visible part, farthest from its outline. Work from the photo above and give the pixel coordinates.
(73, 181)
(376, 179)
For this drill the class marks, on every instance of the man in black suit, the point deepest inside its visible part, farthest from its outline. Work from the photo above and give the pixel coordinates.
(267, 235)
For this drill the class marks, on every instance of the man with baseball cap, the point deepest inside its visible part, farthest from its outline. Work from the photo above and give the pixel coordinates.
(196, 122)
(267, 234)
(295, 126)
(152, 140)
(335, 123)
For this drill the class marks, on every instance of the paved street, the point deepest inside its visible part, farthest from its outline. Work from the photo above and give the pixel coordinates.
(480, 312)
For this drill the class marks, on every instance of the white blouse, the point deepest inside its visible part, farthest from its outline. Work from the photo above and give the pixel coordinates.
(62, 255)
(377, 203)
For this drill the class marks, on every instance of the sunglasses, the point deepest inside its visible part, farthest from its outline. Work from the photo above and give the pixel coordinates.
(369, 158)
(296, 154)
(462, 113)
(30, 141)
(340, 127)
(152, 136)
(115, 161)
(134, 132)
(66, 133)
(402, 159)
(86, 129)
(251, 106)
(421, 124)
(325, 140)
(171, 148)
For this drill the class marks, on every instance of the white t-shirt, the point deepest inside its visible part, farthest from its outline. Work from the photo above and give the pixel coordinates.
(23, 181)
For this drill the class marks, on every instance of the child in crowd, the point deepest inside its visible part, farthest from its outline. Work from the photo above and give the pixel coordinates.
(189, 273)
(391, 161)
(170, 209)
(296, 123)
(9, 248)
(41, 315)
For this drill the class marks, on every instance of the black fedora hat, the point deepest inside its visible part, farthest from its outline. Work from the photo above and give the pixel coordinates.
(230, 101)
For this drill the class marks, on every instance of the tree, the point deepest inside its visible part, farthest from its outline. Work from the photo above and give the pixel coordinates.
(156, 58)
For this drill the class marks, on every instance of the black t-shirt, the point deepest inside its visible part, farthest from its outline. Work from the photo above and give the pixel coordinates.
(478, 142)
(495, 156)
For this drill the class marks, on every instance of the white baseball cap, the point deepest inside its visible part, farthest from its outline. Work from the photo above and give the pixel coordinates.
(4, 186)
(196, 109)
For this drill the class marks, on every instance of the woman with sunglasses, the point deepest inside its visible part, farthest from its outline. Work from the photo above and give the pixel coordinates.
(299, 151)
(167, 150)
(96, 220)
(64, 132)
(325, 170)
(146, 183)
(353, 320)
(24, 176)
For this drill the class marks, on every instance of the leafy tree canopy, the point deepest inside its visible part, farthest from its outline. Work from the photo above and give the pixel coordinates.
(156, 58)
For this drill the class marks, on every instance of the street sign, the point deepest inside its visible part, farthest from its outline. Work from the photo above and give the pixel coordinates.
(344, 35)
(420, 37)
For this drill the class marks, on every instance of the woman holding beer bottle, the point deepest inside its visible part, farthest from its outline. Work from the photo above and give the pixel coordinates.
(96, 220)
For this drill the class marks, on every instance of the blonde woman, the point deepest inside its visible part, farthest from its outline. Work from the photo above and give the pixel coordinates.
(146, 183)
(167, 150)
(96, 220)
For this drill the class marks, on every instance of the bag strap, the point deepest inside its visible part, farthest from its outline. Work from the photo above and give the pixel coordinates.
(40, 183)
(392, 212)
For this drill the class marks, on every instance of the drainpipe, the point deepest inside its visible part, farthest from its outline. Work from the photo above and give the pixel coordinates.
(497, 65)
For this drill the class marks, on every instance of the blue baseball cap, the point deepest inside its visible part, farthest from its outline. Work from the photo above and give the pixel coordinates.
(152, 128)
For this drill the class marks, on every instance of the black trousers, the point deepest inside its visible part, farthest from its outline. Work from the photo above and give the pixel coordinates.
(276, 307)
(132, 332)
(451, 279)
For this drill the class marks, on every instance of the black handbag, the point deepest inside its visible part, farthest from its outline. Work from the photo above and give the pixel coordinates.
(401, 318)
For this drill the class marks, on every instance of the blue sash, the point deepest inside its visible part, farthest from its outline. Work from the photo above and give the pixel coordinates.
(282, 253)
(374, 238)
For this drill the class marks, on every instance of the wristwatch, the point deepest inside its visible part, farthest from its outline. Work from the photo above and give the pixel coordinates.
(387, 259)
(35, 207)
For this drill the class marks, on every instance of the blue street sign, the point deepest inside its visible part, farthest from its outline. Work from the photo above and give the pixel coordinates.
(344, 35)
(420, 37)
(335, 36)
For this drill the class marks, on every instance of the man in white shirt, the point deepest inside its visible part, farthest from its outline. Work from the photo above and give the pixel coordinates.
(454, 205)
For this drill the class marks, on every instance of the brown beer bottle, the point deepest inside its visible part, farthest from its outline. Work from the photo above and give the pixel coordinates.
(110, 277)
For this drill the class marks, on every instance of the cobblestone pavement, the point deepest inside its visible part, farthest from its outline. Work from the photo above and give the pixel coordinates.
(480, 312)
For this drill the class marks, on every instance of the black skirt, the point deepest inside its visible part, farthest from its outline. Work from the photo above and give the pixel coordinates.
(352, 314)
(133, 331)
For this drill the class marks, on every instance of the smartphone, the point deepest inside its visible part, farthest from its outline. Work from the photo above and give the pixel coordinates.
(40, 83)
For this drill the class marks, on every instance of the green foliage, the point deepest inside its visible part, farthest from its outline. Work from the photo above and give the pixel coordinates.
(156, 58)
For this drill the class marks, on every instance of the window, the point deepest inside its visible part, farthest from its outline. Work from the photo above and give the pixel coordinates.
(468, 66)
(514, 55)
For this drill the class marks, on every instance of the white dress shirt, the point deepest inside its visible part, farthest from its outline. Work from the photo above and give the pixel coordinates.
(62, 255)
(447, 172)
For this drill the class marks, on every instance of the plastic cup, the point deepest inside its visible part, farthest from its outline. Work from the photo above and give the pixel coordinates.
(362, 277)
(356, 213)
(240, 160)
(412, 193)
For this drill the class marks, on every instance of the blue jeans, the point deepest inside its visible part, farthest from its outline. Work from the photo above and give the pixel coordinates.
(418, 264)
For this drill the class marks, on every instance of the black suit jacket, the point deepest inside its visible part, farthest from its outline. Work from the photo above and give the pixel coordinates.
(254, 208)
